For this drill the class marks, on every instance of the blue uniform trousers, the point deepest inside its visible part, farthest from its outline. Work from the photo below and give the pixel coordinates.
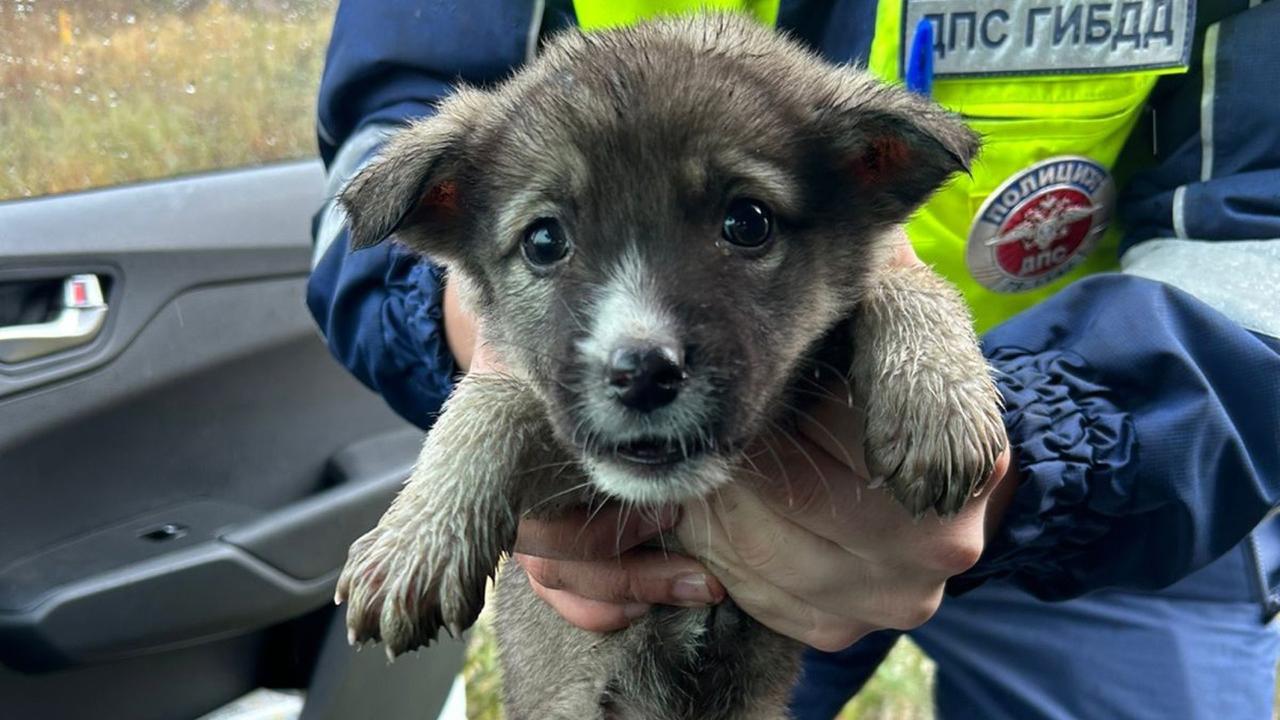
(1201, 648)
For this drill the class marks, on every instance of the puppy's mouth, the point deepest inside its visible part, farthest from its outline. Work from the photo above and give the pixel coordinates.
(650, 469)
(656, 452)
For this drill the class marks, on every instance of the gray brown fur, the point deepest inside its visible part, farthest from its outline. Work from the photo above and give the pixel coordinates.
(636, 139)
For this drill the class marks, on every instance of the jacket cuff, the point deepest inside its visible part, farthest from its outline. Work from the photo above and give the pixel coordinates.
(413, 324)
(1074, 449)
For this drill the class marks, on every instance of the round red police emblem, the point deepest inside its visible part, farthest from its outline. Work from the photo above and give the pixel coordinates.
(1040, 223)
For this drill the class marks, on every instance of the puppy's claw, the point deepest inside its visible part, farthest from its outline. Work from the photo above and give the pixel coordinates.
(934, 449)
(403, 590)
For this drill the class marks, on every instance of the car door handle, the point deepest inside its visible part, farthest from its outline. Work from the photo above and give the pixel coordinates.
(81, 318)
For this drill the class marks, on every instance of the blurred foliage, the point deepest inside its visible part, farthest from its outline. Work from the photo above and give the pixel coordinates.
(902, 688)
(106, 91)
(481, 673)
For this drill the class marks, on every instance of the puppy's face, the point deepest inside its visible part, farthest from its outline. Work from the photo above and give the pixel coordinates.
(657, 224)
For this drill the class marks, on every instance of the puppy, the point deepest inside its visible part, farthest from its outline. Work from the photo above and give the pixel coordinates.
(664, 230)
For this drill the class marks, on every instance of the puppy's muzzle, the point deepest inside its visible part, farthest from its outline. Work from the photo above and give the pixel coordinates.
(645, 377)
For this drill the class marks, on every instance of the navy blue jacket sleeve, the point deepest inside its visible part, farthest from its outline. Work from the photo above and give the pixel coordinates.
(388, 62)
(380, 310)
(1147, 431)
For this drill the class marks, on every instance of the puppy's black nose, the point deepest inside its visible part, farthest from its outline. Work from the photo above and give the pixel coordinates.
(646, 378)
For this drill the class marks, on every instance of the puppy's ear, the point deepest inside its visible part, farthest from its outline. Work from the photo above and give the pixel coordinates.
(896, 146)
(416, 182)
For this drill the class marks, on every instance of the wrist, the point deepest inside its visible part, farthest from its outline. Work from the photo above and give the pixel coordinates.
(1074, 475)
(904, 253)
(459, 328)
(1000, 492)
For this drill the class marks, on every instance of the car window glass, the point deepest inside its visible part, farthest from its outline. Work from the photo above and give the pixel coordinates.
(100, 92)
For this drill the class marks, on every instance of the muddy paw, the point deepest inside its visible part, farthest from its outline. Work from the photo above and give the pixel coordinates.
(403, 587)
(934, 449)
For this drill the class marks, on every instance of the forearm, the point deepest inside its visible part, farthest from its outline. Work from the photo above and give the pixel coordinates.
(391, 59)
(386, 314)
(1145, 428)
(380, 313)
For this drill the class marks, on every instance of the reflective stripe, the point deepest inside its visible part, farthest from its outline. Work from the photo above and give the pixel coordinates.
(1180, 212)
(535, 29)
(350, 158)
(1206, 101)
(324, 133)
(975, 38)
(1237, 278)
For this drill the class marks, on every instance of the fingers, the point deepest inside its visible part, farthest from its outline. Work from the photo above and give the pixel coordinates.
(739, 530)
(749, 539)
(811, 487)
(788, 615)
(590, 615)
(886, 571)
(866, 607)
(582, 535)
(585, 567)
(463, 334)
(811, 483)
(643, 576)
(835, 424)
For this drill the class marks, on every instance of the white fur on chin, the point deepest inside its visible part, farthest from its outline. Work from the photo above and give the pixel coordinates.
(688, 480)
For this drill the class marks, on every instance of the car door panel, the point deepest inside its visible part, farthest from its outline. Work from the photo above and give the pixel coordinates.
(154, 240)
(192, 476)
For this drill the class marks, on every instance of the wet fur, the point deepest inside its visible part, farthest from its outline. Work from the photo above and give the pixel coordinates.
(638, 138)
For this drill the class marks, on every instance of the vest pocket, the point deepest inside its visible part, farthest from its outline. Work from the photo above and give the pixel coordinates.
(1010, 145)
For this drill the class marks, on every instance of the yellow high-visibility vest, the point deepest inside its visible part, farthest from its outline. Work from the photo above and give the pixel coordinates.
(1035, 215)
(600, 14)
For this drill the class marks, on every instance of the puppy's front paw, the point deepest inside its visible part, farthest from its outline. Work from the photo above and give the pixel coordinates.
(402, 585)
(933, 441)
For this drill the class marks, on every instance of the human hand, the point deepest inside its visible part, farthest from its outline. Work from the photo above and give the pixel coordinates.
(805, 547)
(462, 333)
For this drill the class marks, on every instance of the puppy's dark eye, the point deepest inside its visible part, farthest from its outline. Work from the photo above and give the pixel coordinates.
(545, 243)
(748, 223)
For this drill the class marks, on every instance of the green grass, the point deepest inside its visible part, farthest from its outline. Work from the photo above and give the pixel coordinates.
(124, 97)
